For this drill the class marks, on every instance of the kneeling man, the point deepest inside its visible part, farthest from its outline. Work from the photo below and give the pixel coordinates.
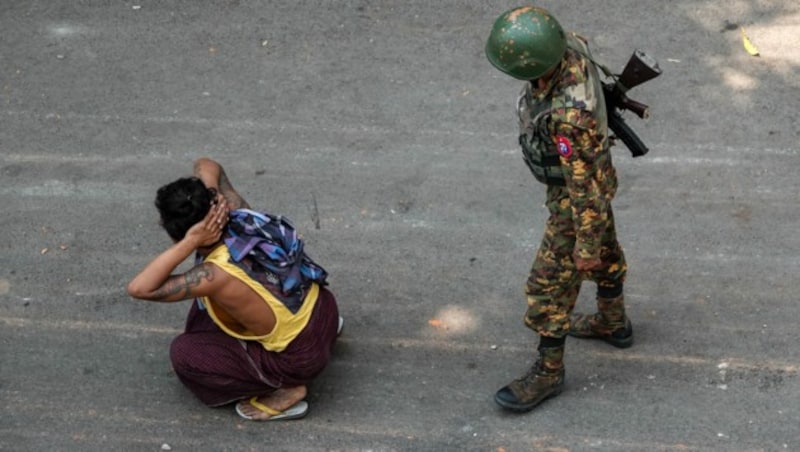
(263, 323)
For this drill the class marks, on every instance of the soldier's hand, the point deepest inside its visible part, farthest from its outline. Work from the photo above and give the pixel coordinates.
(587, 265)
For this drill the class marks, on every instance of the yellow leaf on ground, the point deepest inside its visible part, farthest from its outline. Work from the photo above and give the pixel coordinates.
(748, 44)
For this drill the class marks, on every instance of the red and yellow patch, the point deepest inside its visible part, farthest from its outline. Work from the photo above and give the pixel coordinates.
(564, 146)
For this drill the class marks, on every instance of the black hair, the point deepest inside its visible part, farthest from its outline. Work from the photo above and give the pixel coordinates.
(182, 204)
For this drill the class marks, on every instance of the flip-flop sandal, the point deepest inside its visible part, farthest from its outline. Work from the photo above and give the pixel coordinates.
(296, 411)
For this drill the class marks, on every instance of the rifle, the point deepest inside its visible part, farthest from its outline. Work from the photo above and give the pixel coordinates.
(640, 68)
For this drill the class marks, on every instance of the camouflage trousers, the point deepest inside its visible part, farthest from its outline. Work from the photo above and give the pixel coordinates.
(554, 282)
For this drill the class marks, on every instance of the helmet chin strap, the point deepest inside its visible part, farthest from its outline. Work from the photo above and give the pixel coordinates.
(541, 82)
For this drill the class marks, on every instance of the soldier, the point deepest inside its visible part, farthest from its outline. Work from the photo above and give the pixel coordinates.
(564, 139)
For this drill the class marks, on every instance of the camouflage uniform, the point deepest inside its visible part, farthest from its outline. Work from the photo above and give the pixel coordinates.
(564, 139)
(569, 116)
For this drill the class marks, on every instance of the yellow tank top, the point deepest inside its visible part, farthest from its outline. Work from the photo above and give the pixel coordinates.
(287, 325)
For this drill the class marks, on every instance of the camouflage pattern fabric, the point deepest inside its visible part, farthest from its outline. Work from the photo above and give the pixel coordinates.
(571, 106)
(581, 221)
(554, 281)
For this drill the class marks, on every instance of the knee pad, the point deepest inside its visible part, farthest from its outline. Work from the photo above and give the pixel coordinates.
(609, 292)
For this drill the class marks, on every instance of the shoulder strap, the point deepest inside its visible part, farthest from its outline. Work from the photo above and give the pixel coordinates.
(586, 54)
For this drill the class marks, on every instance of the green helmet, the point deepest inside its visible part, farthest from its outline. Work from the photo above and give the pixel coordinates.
(526, 42)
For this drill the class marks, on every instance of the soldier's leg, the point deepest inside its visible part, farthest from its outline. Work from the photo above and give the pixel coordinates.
(609, 323)
(552, 289)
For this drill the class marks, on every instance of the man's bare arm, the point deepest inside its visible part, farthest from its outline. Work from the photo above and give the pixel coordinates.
(194, 283)
(213, 176)
(233, 197)
(157, 283)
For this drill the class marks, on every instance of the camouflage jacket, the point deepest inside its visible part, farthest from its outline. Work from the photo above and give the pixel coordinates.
(565, 122)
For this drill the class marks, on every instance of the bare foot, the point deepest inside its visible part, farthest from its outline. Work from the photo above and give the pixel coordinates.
(280, 400)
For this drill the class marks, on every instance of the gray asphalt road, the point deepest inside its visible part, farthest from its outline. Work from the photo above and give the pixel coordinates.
(381, 130)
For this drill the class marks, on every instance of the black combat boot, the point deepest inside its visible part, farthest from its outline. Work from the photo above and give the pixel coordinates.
(544, 380)
(609, 323)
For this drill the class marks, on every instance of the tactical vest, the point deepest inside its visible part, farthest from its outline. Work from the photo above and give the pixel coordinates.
(539, 151)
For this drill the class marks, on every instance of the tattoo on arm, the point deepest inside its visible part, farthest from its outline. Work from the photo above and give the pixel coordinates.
(183, 285)
(230, 194)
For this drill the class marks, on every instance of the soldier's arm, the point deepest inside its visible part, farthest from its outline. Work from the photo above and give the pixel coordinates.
(213, 176)
(580, 145)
